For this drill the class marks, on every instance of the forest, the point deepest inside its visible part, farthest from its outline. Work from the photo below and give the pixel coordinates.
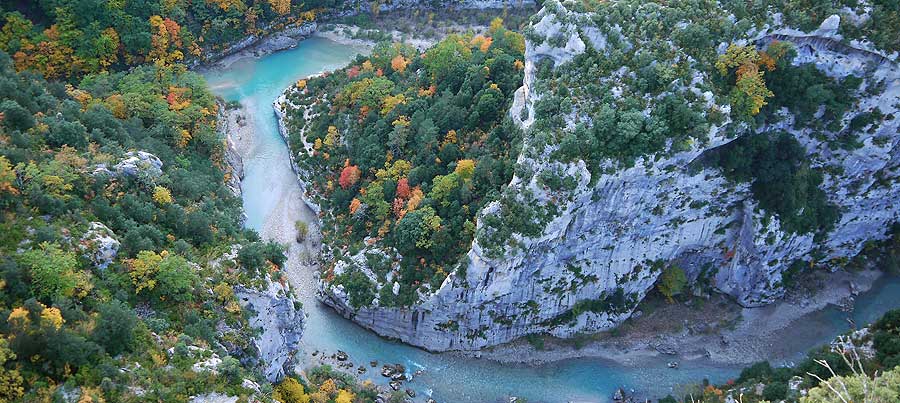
(70, 38)
(406, 149)
(79, 308)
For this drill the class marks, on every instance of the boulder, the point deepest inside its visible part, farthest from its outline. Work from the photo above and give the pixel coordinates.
(99, 245)
(139, 164)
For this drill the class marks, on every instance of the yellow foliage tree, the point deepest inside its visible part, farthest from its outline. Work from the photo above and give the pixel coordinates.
(318, 397)
(465, 169)
(10, 381)
(354, 205)
(290, 391)
(401, 121)
(450, 137)
(52, 317)
(736, 56)
(750, 92)
(391, 102)
(18, 318)
(496, 25)
(91, 395)
(225, 5)
(165, 41)
(328, 387)
(754, 91)
(331, 138)
(162, 195)
(143, 270)
(7, 177)
(282, 7)
(344, 396)
(415, 198)
(394, 170)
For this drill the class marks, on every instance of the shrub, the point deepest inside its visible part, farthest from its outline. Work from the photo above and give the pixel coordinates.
(671, 282)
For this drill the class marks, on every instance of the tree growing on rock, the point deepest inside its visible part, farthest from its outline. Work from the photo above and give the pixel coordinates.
(671, 282)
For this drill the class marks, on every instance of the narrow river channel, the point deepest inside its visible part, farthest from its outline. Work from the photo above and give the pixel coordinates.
(255, 83)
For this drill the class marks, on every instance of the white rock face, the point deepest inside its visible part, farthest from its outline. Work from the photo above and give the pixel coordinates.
(613, 233)
(214, 398)
(140, 164)
(281, 324)
(99, 245)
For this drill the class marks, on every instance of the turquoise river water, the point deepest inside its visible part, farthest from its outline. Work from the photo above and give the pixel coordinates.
(449, 378)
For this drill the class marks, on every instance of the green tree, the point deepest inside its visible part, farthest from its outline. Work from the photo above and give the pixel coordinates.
(176, 279)
(446, 56)
(115, 327)
(52, 271)
(415, 229)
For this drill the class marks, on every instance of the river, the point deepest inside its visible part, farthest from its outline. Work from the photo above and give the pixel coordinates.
(271, 200)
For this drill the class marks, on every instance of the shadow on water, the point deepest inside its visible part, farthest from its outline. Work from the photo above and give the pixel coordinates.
(256, 83)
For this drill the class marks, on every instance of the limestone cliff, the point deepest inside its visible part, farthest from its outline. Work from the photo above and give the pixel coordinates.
(605, 238)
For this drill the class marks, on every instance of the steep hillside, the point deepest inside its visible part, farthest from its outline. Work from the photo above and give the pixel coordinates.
(729, 147)
(123, 264)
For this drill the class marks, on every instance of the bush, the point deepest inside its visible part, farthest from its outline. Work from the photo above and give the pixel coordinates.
(302, 230)
(115, 327)
(671, 282)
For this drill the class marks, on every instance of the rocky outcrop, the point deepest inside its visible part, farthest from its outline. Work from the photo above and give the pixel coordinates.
(140, 164)
(268, 41)
(234, 164)
(99, 244)
(280, 105)
(214, 398)
(281, 325)
(605, 245)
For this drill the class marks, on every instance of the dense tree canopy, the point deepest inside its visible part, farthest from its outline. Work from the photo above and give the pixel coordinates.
(64, 317)
(410, 146)
(76, 37)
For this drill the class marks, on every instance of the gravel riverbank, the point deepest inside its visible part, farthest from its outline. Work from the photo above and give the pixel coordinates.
(716, 330)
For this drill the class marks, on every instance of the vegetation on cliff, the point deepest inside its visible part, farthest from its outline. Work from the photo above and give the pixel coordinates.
(403, 150)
